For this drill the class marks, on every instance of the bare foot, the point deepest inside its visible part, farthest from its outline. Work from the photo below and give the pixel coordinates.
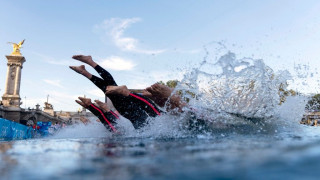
(82, 58)
(122, 90)
(79, 69)
(84, 102)
(103, 106)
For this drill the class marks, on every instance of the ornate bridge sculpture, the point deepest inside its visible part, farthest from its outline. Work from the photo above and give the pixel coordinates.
(16, 48)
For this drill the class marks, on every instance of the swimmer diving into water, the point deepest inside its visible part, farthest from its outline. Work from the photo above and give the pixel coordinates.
(133, 106)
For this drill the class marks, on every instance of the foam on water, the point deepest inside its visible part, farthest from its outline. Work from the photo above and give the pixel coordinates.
(94, 129)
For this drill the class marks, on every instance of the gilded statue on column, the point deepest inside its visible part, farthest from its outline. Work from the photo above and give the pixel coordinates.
(16, 48)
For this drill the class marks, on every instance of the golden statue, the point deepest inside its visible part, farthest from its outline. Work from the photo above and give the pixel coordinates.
(16, 48)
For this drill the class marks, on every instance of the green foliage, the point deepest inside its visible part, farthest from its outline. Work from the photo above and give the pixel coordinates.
(283, 93)
(161, 82)
(172, 83)
(185, 94)
(314, 103)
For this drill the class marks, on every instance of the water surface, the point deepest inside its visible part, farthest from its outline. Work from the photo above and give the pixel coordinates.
(235, 156)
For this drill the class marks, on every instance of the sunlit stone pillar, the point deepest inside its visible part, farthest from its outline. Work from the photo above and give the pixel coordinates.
(11, 97)
(17, 81)
(6, 91)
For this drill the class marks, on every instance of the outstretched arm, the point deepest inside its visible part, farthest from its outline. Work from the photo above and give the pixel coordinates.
(106, 116)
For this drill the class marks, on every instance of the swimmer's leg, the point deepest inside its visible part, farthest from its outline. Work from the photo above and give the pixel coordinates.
(102, 72)
(97, 81)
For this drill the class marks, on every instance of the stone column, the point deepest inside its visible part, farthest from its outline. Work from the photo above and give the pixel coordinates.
(17, 81)
(6, 91)
(11, 97)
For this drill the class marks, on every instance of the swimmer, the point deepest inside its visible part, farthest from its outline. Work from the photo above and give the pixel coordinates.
(102, 111)
(133, 106)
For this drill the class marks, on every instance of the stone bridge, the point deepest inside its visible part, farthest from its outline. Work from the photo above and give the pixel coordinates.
(24, 116)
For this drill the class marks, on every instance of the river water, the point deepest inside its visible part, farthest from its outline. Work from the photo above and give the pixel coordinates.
(246, 133)
(285, 155)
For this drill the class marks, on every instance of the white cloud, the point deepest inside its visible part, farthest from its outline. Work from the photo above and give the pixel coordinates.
(115, 28)
(56, 83)
(117, 63)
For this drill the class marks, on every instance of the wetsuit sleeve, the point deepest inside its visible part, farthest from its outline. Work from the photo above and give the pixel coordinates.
(107, 118)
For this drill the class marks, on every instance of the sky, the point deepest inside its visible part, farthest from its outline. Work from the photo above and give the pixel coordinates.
(142, 42)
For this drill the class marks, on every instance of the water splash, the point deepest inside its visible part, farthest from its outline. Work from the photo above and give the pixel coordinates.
(91, 130)
(306, 78)
(245, 87)
(223, 91)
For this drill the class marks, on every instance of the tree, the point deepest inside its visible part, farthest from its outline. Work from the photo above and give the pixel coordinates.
(283, 93)
(172, 83)
(314, 103)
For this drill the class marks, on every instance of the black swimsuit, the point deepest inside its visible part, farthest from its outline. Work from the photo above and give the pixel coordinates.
(135, 107)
